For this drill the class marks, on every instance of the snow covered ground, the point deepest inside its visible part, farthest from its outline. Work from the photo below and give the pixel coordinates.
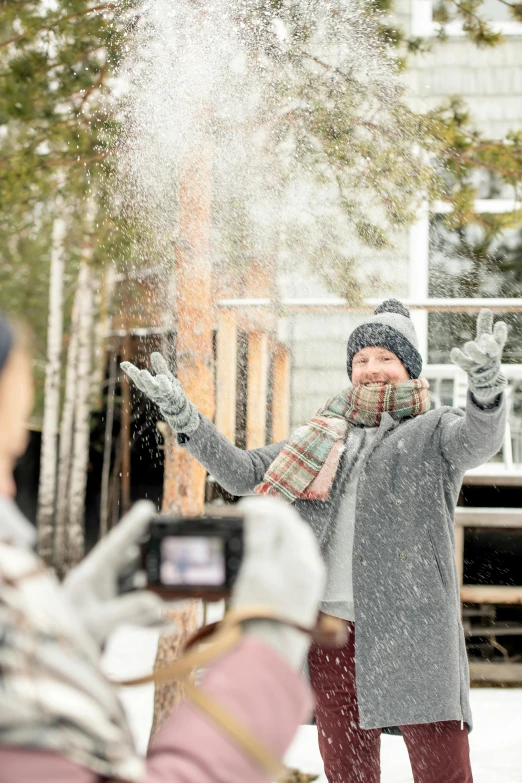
(496, 741)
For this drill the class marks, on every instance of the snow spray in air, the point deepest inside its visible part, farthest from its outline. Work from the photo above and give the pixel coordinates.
(298, 119)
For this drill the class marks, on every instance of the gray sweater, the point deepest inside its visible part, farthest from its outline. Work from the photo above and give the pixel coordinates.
(410, 656)
(338, 594)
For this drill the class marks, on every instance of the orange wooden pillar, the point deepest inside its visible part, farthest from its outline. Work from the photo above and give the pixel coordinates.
(184, 477)
(281, 395)
(257, 388)
(184, 482)
(226, 373)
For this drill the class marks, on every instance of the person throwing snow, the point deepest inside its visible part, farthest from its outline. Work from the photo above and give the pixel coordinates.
(376, 473)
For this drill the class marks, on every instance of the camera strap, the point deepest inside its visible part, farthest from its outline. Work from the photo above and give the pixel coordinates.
(328, 631)
(213, 640)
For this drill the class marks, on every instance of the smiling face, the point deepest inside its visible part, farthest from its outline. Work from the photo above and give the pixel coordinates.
(377, 365)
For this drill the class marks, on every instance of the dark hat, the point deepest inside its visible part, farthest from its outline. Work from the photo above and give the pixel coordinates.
(6, 341)
(389, 327)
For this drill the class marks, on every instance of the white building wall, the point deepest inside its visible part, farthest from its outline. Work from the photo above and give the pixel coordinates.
(490, 81)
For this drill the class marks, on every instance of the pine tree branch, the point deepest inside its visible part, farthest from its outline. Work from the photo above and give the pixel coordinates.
(489, 166)
(470, 14)
(46, 164)
(490, 145)
(96, 10)
(76, 161)
(327, 66)
(95, 86)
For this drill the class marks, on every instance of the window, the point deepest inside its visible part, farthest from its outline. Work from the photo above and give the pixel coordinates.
(466, 263)
(495, 11)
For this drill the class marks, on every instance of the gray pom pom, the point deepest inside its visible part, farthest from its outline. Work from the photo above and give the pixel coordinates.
(392, 306)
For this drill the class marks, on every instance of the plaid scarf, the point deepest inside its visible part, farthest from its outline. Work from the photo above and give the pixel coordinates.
(306, 466)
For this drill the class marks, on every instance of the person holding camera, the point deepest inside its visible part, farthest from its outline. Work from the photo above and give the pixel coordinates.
(60, 718)
(377, 473)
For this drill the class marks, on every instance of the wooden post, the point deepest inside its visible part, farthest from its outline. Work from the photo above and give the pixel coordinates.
(226, 372)
(257, 387)
(281, 395)
(184, 477)
(184, 482)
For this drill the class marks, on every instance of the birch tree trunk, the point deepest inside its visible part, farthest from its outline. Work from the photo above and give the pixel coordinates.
(66, 439)
(102, 307)
(48, 453)
(82, 412)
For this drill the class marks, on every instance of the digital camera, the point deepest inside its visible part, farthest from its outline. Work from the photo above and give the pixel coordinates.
(193, 557)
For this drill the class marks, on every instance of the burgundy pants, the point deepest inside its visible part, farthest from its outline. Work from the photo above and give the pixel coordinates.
(439, 752)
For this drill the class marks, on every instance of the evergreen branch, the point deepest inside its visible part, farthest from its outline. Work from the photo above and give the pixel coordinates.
(373, 126)
(97, 9)
(495, 144)
(76, 161)
(466, 11)
(67, 122)
(270, 121)
(45, 164)
(95, 86)
(327, 66)
(475, 162)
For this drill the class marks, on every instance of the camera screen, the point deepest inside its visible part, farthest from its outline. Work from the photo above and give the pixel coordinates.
(192, 560)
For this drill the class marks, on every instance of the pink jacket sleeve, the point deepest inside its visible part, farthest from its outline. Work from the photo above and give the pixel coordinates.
(252, 683)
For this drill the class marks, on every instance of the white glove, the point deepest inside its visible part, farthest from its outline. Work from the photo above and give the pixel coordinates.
(282, 568)
(165, 390)
(481, 358)
(92, 586)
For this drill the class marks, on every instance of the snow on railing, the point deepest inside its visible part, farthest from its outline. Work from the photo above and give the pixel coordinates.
(458, 305)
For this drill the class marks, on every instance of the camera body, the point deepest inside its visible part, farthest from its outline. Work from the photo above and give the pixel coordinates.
(196, 557)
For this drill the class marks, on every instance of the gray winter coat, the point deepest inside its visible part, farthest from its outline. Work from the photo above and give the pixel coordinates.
(411, 663)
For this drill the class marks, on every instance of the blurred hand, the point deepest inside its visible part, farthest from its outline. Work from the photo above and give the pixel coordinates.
(165, 390)
(92, 586)
(282, 568)
(481, 358)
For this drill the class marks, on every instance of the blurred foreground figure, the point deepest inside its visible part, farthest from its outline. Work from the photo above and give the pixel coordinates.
(60, 719)
(377, 474)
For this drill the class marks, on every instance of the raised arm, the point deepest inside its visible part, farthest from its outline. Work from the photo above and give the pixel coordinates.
(238, 471)
(470, 440)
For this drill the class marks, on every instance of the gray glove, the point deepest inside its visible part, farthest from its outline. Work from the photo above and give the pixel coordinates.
(282, 569)
(481, 359)
(92, 587)
(165, 390)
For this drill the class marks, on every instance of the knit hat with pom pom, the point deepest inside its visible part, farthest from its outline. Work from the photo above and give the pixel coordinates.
(389, 327)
